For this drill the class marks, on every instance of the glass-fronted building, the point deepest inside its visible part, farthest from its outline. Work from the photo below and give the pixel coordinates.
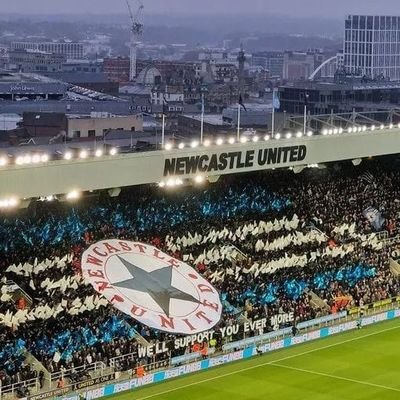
(372, 46)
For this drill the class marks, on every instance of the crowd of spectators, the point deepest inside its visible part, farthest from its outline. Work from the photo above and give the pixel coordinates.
(326, 250)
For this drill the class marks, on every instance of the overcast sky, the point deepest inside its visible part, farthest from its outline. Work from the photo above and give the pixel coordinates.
(324, 8)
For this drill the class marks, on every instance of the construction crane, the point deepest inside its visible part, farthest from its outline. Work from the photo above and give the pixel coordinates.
(136, 32)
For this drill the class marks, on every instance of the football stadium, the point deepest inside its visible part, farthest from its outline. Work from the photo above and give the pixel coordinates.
(224, 270)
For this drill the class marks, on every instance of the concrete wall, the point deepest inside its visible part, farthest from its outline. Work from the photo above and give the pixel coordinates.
(84, 125)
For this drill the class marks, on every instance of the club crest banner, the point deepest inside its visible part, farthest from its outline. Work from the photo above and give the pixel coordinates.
(154, 288)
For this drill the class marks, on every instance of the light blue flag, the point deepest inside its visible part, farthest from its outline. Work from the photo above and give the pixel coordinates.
(275, 100)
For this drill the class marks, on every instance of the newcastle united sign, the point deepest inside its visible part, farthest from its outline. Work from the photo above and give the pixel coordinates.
(152, 287)
(235, 160)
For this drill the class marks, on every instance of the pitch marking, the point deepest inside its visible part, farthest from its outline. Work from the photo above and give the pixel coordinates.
(274, 364)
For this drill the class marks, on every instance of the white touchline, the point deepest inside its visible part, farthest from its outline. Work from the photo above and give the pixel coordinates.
(342, 378)
(273, 363)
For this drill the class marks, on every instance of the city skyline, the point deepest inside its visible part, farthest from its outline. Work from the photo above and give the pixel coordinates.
(291, 8)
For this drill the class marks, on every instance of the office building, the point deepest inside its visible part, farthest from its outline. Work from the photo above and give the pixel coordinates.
(272, 61)
(300, 65)
(35, 61)
(95, 124)
(331, 97)
(372, 46)
(71, 50)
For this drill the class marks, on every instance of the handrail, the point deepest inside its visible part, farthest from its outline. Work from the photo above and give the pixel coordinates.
(134, 356)
(130, 356)
(14, 386)
(96, 366)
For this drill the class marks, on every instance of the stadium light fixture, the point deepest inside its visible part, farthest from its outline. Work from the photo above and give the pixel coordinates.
(168, 146)
(288, 135)
(161, 184)
(9, 203)
(199, 179)
(391, 126)
(335, 131)
(266, 138)
(181, 146)
(382, 126)
(170, 183)
(207, 143)
(309, 133)
(36, 159)
(330, 132)
(73, 195)
(68, 156)
(372, 127)
(50, 198)
(243, 139)
(13, 202)
(113, 151)
(325, 132)
(278, 136)
(83, 154)
(194, 144)
(27, 159)
(3, 161)
(359, 129)
(299, 134)
(364, 128)
(219, 142)
(178, 182)
(44, 158)
(255, 139)
(231, 140)
(398, 125)
(19, 160)
(350, 130)
(98, 153)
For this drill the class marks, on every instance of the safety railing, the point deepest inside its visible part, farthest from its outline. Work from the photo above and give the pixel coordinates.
(96, 368)
(14, 389)
(132, 360)
(116, 361)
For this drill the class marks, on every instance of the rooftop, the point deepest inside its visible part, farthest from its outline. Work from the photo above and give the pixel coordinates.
(103, 114)
(78, 77)
(354, 85)
(255, 107)
(212, 119)
(19, 77)
(138, 90)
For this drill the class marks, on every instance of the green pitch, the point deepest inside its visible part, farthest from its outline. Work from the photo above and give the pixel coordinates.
(363, 364)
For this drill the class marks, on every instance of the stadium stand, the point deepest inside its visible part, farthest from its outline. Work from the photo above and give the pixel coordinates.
(271, 243)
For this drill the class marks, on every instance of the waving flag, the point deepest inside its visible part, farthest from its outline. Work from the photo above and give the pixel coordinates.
(275, 99)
